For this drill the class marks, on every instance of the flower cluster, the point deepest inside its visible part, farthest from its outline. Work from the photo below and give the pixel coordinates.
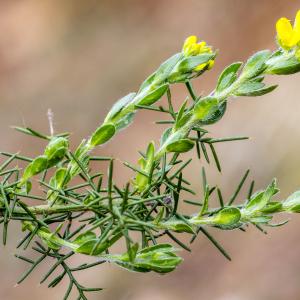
(288, 36)
(192, 47)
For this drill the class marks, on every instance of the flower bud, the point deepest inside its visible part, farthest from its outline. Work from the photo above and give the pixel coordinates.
(56, 150)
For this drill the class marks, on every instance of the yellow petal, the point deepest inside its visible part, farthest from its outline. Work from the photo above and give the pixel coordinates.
(297, 22)
(285, 32)
(297, 28)
(211, 63)
(200, 67)
(191, 40)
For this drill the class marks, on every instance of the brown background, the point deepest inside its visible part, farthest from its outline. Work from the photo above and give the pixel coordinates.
(78, 57)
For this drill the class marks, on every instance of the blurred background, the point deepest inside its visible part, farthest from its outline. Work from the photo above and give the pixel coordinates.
(79, 57)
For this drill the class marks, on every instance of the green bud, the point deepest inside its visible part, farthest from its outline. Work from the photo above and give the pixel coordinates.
(56, 150)
(227, 218)
(159, 258)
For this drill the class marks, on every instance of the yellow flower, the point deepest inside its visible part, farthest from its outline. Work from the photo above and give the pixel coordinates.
(192, 48)
(288, 36)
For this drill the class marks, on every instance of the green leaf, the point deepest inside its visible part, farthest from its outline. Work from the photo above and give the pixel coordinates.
(153, 95)
(205, 108)
(175, 224)
(228, 76)
(165, 135)
(292, 203)
(283, 65)
(150, 152)
(31, 132)
(48, 238)
(272, 207)
(188, 64)
(103, 134)
(260, 199)
(183, 145)
(166, 68)
(261, 219)
(38, 165)
(84, 237)
(124, 121)
(182, 116)
(119, 105)
(254, 89)
(227, 218)
(216, 114)
(147, 82)
(92, 247)
(60, 178)
(256, 64)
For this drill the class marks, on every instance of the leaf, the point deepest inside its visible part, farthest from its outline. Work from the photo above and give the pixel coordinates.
(181, 112)
(281, 65)
(132, 251)
(48, 238)
(31, 132)
(147, 82)
(165, 135)
(84, 237)
(256, 64)
(205, 108)
(92, 247)
(103, 134)
(228, 76)
(261, 219)
(124, 121)
(254, 89)
(292, 203)
(272, 207)
(260, 199)
(216, 115)
(119, 105)
(38, 165)
(180, 146)
(150, 152)
(177, 225)
(55, 144)
(227, 218)
(166, 68)
(182, 116)
(188, 64)
(61, 177)
(56, 150)
(153, 95)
